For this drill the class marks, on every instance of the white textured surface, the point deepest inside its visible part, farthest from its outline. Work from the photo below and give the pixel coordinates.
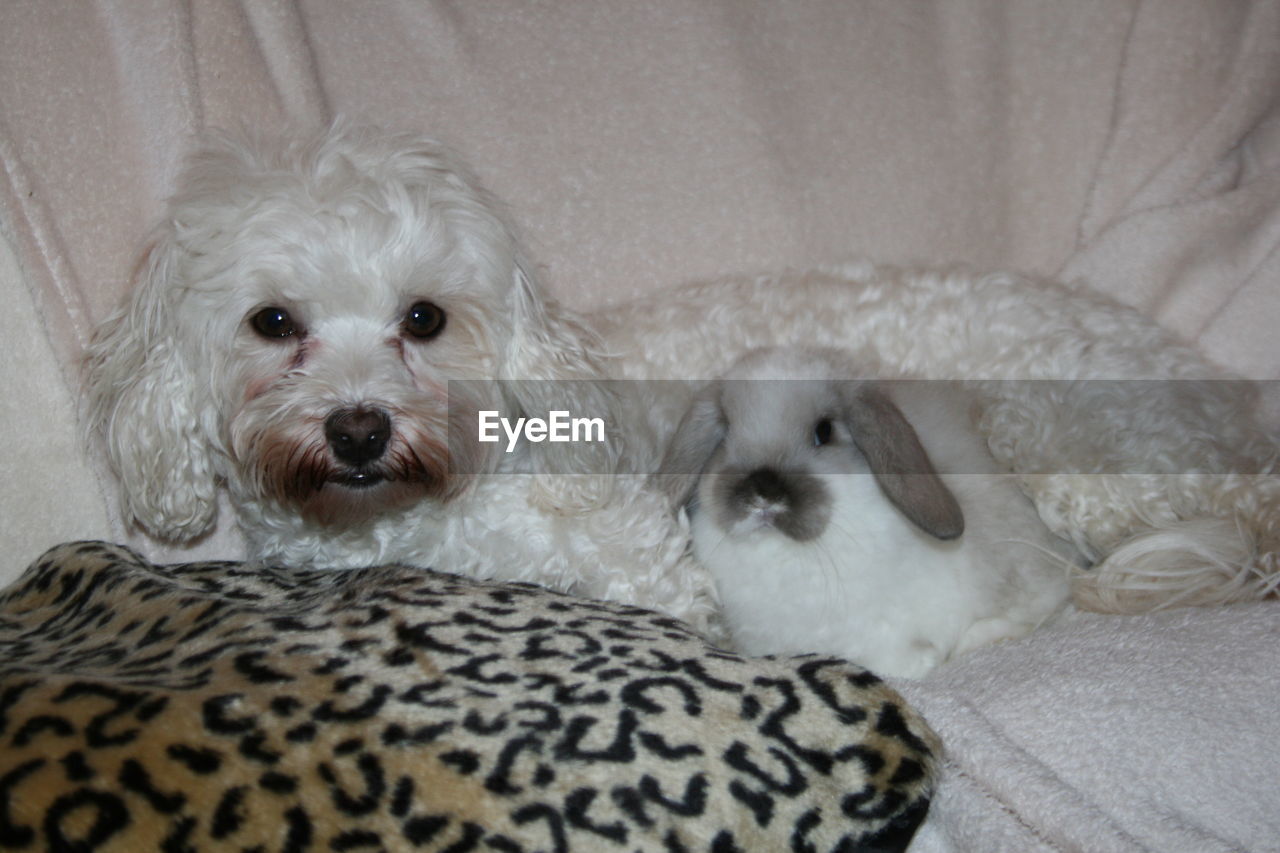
(49, 494)
(1112, 735)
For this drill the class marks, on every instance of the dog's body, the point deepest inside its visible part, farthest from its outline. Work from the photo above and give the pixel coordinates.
(1162, 476)
(304, 307)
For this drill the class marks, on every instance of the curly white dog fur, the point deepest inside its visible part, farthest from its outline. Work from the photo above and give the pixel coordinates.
(1170, 486)
(300, 314)
(859, 517)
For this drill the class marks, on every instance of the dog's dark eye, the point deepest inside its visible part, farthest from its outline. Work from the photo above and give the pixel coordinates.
(273, 322)
(822, 432)
(424, 321)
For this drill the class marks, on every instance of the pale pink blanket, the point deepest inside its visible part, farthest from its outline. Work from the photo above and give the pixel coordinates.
(640, 144)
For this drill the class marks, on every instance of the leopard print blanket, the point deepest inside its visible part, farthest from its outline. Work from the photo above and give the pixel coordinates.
(224, 706)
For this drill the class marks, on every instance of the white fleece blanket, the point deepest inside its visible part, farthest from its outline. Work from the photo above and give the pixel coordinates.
(1134, 144)
(1109, 734)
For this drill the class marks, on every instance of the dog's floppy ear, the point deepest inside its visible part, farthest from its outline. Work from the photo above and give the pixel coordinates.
(556, 364)
(142, 401)
(899, 462)
(700, 432)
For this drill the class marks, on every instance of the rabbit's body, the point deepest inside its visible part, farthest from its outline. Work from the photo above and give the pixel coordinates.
(865, 519)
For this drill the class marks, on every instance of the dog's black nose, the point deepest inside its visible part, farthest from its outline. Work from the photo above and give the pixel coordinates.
(357, 436)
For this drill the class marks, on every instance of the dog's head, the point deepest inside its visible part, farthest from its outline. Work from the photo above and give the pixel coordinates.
(296, 321)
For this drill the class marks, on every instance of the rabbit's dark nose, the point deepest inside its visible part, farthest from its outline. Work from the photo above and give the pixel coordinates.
(795, 503)
(768, 484)
(358, 436)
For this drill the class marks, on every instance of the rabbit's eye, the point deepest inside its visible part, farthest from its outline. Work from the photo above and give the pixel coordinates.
(822, 432)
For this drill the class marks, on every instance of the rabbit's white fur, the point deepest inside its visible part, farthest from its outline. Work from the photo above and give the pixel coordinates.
(812, 552)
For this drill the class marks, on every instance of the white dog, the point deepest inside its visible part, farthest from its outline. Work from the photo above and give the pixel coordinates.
(300, 317)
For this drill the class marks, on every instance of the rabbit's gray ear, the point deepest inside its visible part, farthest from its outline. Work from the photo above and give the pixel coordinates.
(899, 462)
(700, 432)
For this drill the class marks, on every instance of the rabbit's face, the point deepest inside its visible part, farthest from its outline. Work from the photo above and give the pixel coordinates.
(785, 438)
(763, 452)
